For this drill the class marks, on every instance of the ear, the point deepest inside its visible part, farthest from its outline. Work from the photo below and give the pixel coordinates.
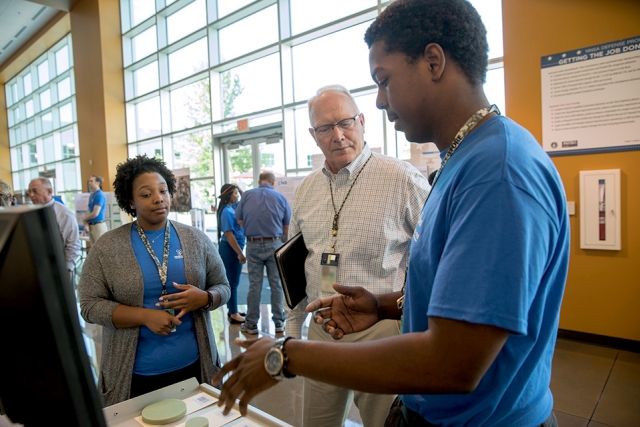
(313, 135)
(361, 118)
(435, 60)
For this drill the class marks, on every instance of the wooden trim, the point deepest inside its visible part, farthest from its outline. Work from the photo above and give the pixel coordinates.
(605, 341)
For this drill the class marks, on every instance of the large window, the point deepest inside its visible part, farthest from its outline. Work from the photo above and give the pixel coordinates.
(195, 69)
(43, 134)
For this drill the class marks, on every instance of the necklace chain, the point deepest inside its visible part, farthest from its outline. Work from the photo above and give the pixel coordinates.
(150, 234)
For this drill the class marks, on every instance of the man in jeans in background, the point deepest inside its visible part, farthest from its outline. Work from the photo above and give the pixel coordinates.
(264, 214)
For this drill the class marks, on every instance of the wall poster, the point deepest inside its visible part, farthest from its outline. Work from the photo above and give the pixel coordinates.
(182, 198)
(591, 99)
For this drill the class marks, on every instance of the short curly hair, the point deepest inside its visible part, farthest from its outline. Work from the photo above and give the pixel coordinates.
(128, 171)
(408, 26)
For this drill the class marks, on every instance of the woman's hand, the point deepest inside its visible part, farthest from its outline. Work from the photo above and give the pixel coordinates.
(242, 258)
(160, 322)
(191, 298)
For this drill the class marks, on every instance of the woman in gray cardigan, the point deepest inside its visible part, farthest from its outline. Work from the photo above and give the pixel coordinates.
(151, 285)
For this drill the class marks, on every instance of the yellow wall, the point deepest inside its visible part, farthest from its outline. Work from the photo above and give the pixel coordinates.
(603, 289)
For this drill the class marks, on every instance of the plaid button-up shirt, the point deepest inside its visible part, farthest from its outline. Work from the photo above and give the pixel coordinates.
(374, 228)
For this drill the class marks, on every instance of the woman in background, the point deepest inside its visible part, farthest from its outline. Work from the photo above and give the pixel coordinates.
(151, 285)
(231, 243)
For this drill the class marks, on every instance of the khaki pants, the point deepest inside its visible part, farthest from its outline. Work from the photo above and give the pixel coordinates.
(97, 230)
(327, 405)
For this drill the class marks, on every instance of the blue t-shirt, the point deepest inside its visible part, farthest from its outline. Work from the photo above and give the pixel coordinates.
(492, 247)
(229, 223)
(97, 199)
(264, 212)
(157, 354)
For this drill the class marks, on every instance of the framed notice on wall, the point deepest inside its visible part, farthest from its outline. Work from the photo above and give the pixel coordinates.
(600, 213)
(591, 99)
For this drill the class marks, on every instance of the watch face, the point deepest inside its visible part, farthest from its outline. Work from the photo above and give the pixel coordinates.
(273, 362)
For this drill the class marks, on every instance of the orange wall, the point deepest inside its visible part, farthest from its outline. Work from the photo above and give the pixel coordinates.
(97, 53)
(603, 288)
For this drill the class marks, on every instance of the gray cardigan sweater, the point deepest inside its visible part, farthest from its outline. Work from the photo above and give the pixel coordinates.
(111, 276)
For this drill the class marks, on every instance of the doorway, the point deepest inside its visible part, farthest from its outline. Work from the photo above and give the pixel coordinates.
(247, 154)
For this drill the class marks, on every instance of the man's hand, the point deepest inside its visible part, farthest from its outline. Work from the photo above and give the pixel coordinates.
(354, 310)
(190, 299)
(160, 322)
(249, 375)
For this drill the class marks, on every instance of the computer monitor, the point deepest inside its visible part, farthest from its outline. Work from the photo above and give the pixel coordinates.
(45, 376)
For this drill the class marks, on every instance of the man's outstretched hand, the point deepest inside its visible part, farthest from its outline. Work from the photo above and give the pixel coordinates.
(249, 376)
(354, 309)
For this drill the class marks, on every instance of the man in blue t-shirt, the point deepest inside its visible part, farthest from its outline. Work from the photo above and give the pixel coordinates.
(94, 218)
(488, 260)
(264, 214)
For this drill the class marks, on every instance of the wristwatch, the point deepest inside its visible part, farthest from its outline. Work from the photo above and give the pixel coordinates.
(275, 361)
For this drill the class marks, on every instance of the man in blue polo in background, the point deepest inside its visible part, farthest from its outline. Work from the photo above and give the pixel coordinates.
(94, 218)
(264, 214)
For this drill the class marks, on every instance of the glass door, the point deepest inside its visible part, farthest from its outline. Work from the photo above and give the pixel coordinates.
(240, 165)
(247, 154)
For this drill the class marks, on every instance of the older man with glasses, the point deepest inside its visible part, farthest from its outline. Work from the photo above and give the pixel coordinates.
(41, 193)
(5, 193)
(359, 212)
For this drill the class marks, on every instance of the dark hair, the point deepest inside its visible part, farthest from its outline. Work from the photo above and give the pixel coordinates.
(128, 171)
(99, 180)
(408, 26)
(225, 196)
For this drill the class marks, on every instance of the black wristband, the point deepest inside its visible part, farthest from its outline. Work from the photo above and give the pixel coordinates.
(210, 302)
(286, 360)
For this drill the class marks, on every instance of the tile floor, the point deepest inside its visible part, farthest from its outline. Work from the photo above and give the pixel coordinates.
(593, 386)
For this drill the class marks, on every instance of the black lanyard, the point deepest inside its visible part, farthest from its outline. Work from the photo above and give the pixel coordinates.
(162, 269)
(336, 216)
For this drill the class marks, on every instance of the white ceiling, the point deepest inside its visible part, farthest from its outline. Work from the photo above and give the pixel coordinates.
(21, 19)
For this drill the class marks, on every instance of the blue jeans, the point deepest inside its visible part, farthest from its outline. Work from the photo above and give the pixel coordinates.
(260, 255)
(234, 270)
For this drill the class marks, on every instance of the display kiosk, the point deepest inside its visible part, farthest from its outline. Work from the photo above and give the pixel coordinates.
(201, 400)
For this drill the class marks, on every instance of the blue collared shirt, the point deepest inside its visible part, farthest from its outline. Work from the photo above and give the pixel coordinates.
(264, 211)
(97, 199)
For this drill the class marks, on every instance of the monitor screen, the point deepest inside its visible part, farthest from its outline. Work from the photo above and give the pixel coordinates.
(45, 373)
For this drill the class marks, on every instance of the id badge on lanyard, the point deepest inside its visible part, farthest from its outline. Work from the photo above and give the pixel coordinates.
(329, 271)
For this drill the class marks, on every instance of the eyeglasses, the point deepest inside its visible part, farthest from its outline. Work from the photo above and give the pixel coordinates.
(344, 125)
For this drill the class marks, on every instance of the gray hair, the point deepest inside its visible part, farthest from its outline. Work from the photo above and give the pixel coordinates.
(329, 88)
(5, 193)
(43, 181)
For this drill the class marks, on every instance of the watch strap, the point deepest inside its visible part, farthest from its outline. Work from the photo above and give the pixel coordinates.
(285, 373)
